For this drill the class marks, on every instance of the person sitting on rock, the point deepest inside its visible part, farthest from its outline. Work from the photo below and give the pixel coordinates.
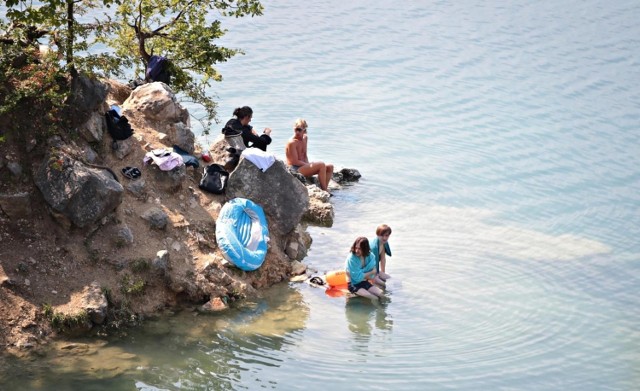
(239, 126)
(297, 160)
(359, 260)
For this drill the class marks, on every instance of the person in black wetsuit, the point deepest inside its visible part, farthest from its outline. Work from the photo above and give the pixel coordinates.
(239, 125)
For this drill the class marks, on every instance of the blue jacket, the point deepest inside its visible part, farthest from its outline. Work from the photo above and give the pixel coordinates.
(375, 250)
(353, 265)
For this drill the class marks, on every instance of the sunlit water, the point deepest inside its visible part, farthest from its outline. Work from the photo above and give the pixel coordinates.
(499, 140)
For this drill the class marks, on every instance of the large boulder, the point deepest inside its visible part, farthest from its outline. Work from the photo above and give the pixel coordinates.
(87, 95)
(181, 135)
(117, 92)
(93, 129)
(320, 211)
(283, 198)
(155, 102)
(94, 302)
(81, 193)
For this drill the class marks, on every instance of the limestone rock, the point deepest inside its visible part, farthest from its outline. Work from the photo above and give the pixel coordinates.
(117, 92)
(94, 303)
(283, 198)
(346, 175)
(16, 206)
(156, 102)
(137, 188)
(15, 168)
(156, 217)
(298, 268)
(168, 180)
(161, 261)
(87, 96)
(122, 148)
(214, 305)
(298, 243)
(182, 136)
(93, 129)
(81, 193)
(124, 235)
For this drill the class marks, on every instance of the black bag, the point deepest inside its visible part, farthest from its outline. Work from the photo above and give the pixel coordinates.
(214, 179)
(118, 126)
(232, 160)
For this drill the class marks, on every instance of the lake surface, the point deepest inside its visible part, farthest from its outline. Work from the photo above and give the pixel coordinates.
(499, 140)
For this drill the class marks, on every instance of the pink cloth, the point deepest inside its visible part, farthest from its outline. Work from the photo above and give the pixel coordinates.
(165, 159)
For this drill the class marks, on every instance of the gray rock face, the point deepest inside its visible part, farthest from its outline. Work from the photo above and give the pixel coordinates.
(93, 129)
(298, 243)
(125, 235)
(161, 261)
(156, 217)
(346, 175)
(87, 95)
(15, 168)
(95, 303)
(124, 147)
(320, 210)
(167, 180)
(283, 198)
(16, 206)
(81, 193)
(181, 135)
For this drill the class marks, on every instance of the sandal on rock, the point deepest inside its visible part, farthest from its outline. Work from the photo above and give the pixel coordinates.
(131, 172)
(316, 280)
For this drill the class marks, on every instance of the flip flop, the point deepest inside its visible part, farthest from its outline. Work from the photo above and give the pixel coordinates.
(131, 172)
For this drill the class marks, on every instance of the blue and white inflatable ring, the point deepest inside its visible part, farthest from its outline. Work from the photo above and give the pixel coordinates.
(242, 233)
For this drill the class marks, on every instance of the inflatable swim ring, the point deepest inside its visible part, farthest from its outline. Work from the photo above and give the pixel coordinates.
(242, 233)
(336, 278)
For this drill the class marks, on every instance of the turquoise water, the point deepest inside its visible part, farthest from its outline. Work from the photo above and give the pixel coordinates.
(498, 140)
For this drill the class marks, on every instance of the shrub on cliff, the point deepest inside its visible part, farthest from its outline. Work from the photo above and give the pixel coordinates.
(185, 32)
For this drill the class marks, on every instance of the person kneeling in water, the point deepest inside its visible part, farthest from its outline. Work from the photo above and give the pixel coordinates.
(380, 249)
(358, 261)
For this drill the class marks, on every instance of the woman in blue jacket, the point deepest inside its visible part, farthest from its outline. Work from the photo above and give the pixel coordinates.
(360, 266)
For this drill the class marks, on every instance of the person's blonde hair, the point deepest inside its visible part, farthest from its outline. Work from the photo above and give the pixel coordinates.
(300, 123)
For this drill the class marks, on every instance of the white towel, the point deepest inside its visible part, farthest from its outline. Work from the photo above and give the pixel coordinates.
(263, 160)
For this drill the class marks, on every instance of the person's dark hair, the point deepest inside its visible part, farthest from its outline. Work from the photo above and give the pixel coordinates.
(244, 111)
(363, 244)
(382, 230)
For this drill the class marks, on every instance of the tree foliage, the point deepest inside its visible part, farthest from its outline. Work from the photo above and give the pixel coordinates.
(186, 32)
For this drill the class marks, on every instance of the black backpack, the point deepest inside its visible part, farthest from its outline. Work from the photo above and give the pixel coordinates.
(214, 179)
(158, 70)
(118, 126)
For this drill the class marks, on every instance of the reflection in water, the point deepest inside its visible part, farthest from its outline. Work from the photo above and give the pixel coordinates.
(184, 351)
(361, 312)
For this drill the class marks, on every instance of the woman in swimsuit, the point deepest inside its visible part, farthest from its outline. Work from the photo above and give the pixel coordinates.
(296, 152)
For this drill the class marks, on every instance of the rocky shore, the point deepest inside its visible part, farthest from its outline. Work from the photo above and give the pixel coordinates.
(84, 249)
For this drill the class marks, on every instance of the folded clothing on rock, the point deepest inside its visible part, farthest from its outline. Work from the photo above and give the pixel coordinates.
(165, 159)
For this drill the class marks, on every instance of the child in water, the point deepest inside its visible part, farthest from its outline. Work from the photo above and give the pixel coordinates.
(360, 267)
(380, 249)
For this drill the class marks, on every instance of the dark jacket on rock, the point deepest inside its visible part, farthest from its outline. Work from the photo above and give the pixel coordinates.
(233, 127)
